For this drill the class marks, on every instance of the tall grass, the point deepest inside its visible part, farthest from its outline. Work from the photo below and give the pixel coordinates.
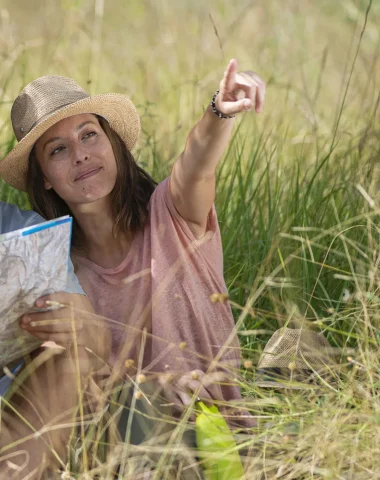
(297, 191)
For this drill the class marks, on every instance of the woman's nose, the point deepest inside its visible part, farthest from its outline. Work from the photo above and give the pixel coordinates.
(81, 154)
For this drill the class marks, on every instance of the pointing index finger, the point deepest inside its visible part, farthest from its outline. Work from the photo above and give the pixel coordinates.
(230, 75)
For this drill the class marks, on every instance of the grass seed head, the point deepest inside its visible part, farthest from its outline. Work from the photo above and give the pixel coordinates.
(292, 366)
(129, 363)
(247, 364)
(219, 297)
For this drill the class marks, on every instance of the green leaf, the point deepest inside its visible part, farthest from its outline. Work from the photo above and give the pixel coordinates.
(216, 445)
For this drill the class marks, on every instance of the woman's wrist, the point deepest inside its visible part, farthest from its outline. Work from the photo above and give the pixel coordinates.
(217, 111)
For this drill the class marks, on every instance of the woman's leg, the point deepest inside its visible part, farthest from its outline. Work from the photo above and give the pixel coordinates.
(47, 398)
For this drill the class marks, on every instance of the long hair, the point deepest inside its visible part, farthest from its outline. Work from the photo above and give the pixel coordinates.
(129, 197)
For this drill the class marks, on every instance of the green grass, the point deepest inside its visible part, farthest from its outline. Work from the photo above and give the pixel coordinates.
(297, 191)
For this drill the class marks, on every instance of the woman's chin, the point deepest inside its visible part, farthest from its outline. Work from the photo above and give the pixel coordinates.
(88, 196)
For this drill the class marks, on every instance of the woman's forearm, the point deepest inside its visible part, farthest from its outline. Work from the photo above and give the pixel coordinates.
(205, 145)
(193, 177)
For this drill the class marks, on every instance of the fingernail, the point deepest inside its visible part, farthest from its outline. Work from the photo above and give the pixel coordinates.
(247, 104)
(40, 303)
(25, 321)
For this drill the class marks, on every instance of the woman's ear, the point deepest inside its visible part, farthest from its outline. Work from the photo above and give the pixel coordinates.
(47, 185)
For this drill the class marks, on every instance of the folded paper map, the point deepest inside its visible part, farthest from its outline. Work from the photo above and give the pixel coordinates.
(33, 263)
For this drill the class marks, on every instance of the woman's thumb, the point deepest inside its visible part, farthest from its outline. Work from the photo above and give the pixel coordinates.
(245, 104)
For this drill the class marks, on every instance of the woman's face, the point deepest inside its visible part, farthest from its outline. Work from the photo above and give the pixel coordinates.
(77, 160)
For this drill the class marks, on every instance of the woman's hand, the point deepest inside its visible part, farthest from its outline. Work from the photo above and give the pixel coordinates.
(71, 320)
(193, 386)
(240, 91)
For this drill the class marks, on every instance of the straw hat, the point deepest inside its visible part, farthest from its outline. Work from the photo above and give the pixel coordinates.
(52, 98)
(294, 358)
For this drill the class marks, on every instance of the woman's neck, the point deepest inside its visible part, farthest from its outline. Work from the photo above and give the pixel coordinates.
(100, 244)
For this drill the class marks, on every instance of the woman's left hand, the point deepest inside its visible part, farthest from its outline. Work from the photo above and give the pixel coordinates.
(73, 319)
(240, 91)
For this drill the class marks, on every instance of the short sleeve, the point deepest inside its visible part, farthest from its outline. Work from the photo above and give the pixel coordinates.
(179, 234)
(212, 226)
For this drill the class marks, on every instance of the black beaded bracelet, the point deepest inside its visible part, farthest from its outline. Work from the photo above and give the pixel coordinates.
(215, 110)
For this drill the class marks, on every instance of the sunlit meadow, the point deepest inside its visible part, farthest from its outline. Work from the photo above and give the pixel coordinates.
(297, 192)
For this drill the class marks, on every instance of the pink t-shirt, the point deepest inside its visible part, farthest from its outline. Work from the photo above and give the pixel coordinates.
(164, 285)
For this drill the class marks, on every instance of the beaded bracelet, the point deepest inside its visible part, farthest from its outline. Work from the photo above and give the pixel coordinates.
(216, 111)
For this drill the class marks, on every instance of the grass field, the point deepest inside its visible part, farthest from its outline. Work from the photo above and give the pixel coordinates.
(297, 192)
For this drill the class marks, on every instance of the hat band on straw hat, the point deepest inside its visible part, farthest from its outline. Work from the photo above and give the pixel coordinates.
(47, 115)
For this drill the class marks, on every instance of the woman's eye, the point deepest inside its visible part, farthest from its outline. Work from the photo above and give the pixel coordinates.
(89, 134)
(56, 150)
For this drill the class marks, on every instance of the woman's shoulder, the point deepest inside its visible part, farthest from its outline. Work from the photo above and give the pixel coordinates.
(161, 189)
(160, 198)
(163, 214)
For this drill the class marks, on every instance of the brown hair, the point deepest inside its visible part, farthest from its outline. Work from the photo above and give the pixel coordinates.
(129, 197)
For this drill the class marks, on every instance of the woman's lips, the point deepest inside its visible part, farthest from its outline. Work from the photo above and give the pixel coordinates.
(88, 174)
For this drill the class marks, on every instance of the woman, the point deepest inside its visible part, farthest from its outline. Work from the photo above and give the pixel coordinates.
(148, 257)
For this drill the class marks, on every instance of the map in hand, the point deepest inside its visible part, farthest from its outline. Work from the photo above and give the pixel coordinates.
(33, 263)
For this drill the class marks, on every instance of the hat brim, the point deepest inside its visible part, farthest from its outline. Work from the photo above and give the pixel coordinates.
(269, 377)
(117, 109)
(274, 375)
(288, 386)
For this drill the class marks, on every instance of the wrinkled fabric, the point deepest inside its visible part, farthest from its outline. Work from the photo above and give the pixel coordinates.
(164, 286)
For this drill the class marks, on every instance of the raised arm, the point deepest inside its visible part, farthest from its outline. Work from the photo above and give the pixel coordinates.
(192, 182)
